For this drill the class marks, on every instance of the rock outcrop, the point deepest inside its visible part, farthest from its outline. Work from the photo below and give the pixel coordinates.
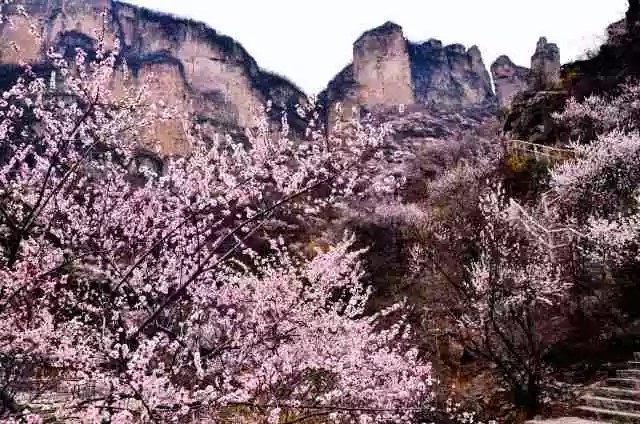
(531, 117)
(545, 66)
(529, 97)
(340, 100)
(388, 71)
(207, 74)
(419, 122)
(615, 62)
(511, 79)
(451, 75)
(381, 67)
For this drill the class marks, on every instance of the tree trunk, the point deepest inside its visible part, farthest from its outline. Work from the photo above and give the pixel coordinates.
(526, 397)
(633, 14)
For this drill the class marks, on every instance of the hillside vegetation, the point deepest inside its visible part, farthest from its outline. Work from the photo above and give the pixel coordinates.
(383, 272)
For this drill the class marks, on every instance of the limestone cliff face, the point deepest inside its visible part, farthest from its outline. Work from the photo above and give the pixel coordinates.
(545, 65)
(450, 75)
(207, 74)
(387, 70)
(340, 100)
(381, 67)
(531, 105)
(511, 79)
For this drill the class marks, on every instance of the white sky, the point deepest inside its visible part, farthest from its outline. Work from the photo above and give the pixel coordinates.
(309, 41)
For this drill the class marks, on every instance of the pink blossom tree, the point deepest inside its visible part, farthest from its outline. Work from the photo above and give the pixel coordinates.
(599, 114)
(516, 298)
(531, 257)
(595, 195)
(498, 281)
(173, 291)
(487, 271)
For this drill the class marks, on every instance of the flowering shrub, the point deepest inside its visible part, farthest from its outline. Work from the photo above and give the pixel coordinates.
(516, 162)
(512, 299)
(532, 258)
(598, 192)
(597, 115)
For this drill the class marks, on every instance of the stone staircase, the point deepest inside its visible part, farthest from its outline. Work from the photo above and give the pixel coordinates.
(617, 399)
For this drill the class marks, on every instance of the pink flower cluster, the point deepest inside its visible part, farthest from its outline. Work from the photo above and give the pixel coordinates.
(164, 291)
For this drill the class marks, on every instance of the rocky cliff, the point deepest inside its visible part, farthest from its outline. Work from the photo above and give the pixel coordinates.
(530, 99)
(206, 73)
(381, 67)
(388, 70)
(615, 62)
(450, 75)
(340, 100)
(511, 79)
(545, 66)
(215, 80)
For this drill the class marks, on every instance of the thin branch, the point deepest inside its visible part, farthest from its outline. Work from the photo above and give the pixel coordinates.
(201, 268)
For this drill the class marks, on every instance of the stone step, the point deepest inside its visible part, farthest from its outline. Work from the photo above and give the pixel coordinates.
(626, 383)
(635, 365)
(608, 414)
(616, 392)
(629, 373)
(612, 403)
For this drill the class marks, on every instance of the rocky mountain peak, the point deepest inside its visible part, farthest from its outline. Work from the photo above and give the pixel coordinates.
(541, 44)
(387, 29)
(381, 67)
(474, 53)
(450, 75)
(511, 79)
(545, 65)
(503, 61)
(433, 44)
(388, 70)
(456, 48)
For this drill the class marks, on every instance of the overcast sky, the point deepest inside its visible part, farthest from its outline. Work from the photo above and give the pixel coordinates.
(309, 41)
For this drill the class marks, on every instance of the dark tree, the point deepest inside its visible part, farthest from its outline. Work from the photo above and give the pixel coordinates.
(633, 14)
